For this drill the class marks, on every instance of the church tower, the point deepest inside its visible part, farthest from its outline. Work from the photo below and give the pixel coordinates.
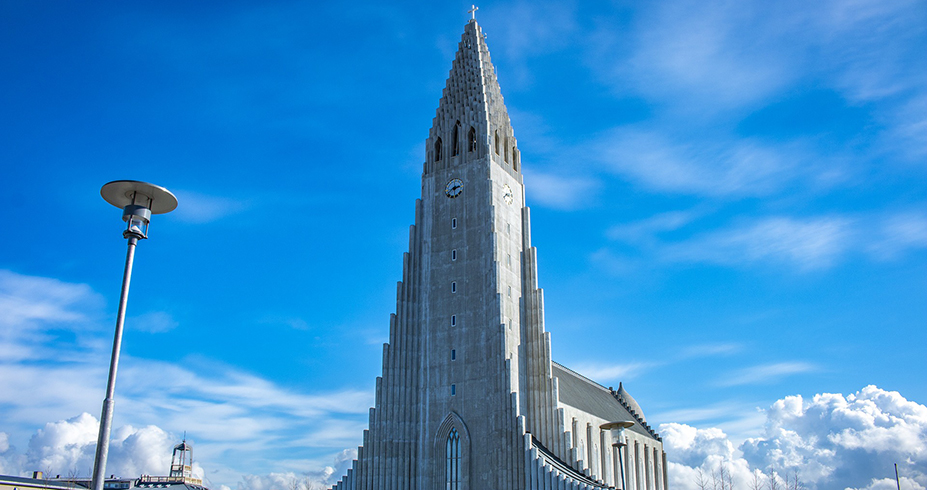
(469, 397)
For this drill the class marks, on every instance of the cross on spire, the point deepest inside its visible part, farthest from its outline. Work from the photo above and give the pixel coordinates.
(472, 11)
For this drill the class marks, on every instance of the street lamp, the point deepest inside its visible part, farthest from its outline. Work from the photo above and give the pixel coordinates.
(618, 441)
(138, 201)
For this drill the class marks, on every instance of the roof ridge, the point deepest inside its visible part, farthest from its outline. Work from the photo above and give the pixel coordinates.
(597, 385)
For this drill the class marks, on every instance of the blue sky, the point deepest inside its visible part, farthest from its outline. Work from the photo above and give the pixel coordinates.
(728, 199)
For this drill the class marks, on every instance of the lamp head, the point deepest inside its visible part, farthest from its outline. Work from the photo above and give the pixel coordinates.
(617, 431)
(138, 200)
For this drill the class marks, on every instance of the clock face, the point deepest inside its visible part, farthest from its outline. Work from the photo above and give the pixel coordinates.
(453, 188)
(507, 194)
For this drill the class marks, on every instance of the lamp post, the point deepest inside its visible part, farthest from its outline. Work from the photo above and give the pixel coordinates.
(618, 441)
(138, 200)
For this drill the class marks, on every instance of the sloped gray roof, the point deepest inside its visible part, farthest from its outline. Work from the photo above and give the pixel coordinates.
(591, 397)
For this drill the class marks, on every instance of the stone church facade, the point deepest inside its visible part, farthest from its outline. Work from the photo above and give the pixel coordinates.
(470, 398)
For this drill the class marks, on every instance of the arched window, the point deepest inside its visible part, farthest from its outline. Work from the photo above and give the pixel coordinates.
(455, 146)
(515, 158)
(452, 468)
(438, 150)
(506, 151)
(472, 139)
(497, 142)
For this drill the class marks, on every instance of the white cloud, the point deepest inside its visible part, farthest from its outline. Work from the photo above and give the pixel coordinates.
(896, 234)
(719, 167)
(152, 322)
(223, 406)
(319, 479)
(28, 300)
(805, 243)
(646, 230)
(560, 192)
(67, 447)
(767, 373)
(831, 441)
(195, 207)
(808, 244)
(711, 349)
(718, 52)
(612, 372)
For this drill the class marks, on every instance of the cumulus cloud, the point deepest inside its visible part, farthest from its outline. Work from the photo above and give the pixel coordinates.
(830, 441)
(67, 447)
(319, 479)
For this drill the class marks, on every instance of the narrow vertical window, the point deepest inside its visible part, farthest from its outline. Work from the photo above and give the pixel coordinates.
(510, 291)
(454, 223)
(497, 142)
(455, 144)
(453, 320)
(514, 159)
(453, 458)
(471, 138)
(508, 228)
(453, 390)
(453, 355)
(438, 150)
(454, 254)
(453, 287)
(506, 157)
(508, 260)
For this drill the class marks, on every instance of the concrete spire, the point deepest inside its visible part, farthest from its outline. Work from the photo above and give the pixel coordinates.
(472, 97)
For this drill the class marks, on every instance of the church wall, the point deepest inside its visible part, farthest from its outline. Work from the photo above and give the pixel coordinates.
(599, 459)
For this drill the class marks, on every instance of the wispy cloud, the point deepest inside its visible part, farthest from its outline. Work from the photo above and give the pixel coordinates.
(722, 166)
(646, 230)
(558, 191)
(153, 322)
(767, 373)
(612, 372)
(694, 52)
(807, 244)
(195, 207)
(711, 350)
(802, 243)
(896, 234)
(28, 300)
